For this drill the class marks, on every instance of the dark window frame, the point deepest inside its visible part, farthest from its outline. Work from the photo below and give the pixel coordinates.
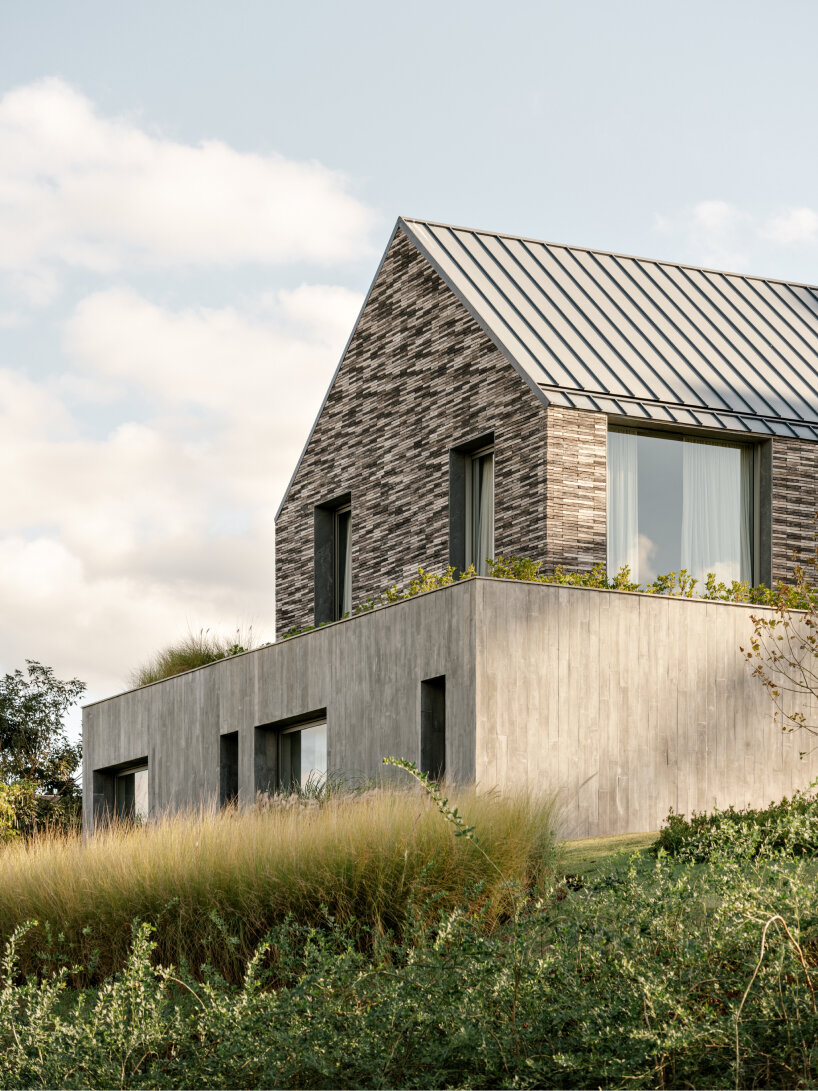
(326, 578)
(762, 448)
(267, 747)
(460, 457)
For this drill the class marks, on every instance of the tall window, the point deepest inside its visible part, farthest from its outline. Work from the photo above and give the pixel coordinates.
(333, 559)
(302, 755)
(679, 502)
(480, 509)
(343, 561)
(131, 793)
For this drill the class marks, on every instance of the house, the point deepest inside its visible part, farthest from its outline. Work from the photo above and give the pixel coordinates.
(502, 396)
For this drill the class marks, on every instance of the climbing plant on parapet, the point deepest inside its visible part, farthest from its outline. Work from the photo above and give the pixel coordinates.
(783, 649)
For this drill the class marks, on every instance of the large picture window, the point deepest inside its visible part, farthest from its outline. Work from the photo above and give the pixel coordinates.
(679, 502)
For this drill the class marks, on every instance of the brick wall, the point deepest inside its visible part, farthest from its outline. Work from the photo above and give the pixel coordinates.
(794, 503)
(420, 376)
(576, 511)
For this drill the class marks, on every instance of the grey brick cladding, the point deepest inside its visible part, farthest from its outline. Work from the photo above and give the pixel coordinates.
(794, 503)
(419, 377)
(576, 497)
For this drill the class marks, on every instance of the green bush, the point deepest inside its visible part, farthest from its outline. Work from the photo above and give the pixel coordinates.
(668, 976)
(677, 584)
(789, 826)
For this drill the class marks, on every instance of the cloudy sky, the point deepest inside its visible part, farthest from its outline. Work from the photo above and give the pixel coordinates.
(193, 200)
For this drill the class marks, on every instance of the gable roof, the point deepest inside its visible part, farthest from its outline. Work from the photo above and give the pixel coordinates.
(637, 337)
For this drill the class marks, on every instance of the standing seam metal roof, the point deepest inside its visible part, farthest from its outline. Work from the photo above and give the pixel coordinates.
(639, 337)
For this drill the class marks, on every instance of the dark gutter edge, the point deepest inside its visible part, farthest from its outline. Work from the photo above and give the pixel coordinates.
(472, 580)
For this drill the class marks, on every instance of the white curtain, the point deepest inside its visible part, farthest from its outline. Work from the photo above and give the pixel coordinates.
(623, 504)
(483, 507)
(716, 511)
(346, 585)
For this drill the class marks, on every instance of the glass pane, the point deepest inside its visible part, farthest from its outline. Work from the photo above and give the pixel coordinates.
(678, 502)
(659, 544)
(140, 794)
(482, 508)
(343, 562)
(313, 752)
(302, 754)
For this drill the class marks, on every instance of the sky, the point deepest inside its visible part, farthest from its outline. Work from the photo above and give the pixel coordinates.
(194, 198)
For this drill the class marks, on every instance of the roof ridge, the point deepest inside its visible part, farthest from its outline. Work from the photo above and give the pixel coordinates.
(611, 253)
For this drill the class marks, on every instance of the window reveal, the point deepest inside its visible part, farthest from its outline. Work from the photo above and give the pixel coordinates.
(480, 510)
(302, 755)
(131, 794)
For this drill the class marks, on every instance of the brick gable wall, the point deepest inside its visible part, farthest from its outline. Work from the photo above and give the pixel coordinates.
(420, 376)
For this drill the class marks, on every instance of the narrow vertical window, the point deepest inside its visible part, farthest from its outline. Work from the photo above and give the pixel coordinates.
(228, 768)
(480, 510)
(343, 561)
(333, 559)
(433, 727)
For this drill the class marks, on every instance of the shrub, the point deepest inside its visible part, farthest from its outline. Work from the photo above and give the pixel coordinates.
(668, 976)
(677, 584)
(193, 650)
(789, 826)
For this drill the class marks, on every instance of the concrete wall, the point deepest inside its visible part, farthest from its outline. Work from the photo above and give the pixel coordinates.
(365, 671)
(626, 705)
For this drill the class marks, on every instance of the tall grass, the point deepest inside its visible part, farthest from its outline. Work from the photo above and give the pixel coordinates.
(191, 651)
(214, 884)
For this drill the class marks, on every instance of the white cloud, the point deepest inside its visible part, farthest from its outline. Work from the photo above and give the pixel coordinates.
(143, 464)
(796, 225)
(100, 628)
(103, 194)
(165, 522)
(725, 236)
(714, 233)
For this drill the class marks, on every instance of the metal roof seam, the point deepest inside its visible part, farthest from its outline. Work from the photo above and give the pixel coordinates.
(773, 347)
(662, 334)
(516, 310)
(711, 282)
(613, 253)
(600, 333)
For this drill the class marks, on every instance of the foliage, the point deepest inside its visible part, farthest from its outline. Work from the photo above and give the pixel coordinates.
(193, 650)
(789, 826)
(783, 649)
(38, 764)
(33, 746)
(365, 858)
(665, 975)
(677, 584)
